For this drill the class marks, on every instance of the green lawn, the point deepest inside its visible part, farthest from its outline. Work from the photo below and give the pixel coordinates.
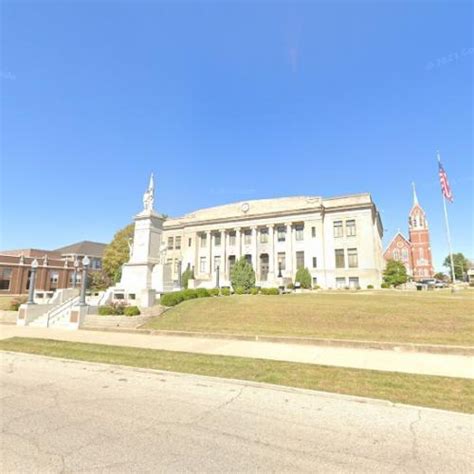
(437, 392)
(424, 317)
(5, 302)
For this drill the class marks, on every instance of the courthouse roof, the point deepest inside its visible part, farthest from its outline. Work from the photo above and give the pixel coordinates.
(275, 206)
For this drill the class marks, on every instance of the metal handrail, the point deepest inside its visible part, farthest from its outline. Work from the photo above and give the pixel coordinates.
(59, 309)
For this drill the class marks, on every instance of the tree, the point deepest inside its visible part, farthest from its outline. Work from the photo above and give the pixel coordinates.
(304, 277)
(461, 265)
(395, 273)
(117, 253)
(98, 281)
(187, 275)
(440, 276)
(242, 275)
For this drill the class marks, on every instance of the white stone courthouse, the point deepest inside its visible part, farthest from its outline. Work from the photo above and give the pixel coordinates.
(339, 240)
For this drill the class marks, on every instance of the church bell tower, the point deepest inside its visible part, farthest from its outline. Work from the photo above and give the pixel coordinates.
(419, 237)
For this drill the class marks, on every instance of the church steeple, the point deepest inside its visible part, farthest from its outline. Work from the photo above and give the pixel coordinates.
(415, 197)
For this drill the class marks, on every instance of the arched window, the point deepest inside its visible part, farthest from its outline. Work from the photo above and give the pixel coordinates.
(405, 255)
(395, 254)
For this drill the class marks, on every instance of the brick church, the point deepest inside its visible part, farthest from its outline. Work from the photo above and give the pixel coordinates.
(414, 252)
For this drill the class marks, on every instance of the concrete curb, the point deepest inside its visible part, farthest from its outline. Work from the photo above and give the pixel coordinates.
(387, 346)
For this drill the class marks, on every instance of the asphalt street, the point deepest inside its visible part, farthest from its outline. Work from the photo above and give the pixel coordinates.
(65, 416)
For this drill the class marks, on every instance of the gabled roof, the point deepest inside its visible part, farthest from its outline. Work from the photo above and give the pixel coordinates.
(86, 247)
(394, 238)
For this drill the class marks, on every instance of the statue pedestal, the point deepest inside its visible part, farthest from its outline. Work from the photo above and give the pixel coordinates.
(137, 273)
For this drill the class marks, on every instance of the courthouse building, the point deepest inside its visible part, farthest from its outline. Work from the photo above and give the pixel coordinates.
(339, 240)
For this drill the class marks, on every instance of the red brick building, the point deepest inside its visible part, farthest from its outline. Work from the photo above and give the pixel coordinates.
(414, 252)
(55, 269)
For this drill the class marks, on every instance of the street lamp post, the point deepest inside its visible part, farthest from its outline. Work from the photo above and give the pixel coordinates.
(218, 276)
(74, 276)
(85, 264)
(31, 293)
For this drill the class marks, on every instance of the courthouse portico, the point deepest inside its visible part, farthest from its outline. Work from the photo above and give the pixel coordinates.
(337, 239)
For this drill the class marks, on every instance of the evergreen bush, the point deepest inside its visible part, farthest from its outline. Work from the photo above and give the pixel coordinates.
(202, 292)
(225, 291)
(187, 275)
(270, 291)
(131, 311)
(304, 278)
(242, 275)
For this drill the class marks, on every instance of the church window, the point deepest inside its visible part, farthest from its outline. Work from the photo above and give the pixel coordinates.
(396, 256)
(405, 255)
(421, 252)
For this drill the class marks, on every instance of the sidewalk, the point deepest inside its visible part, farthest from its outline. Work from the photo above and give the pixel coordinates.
(386, 360)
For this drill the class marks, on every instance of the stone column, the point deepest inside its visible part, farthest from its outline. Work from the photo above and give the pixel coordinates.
(209, 251)
(271, 252)
(289, 250)
(223, 267)
(238, 244)
(255, 251)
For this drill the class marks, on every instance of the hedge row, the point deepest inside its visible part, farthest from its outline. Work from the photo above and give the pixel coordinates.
(119, 310)
(176, 297)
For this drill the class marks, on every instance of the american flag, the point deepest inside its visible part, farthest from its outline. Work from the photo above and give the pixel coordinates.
(443, 179)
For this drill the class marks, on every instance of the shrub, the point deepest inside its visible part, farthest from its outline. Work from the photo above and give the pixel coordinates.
(187, 275)
(395, 273)
(202, 292)
(16, 302)
(270, 291)
(106, 310)
(214, 291)
(171, 299)
(316, 287)
(189, 294)
(290, 286)
(370, 287)
(385, 285)
(131, 311)
(240, 290)
(242, 275)
(254, 291)
(225, 291)
(304, 277)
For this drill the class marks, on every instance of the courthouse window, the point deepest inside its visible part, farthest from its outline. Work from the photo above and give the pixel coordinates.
(339, 258)
(248, 237)
(299, 260)
(170, 243)
(299, 232)
(177, 244)
(338, 231)
(281, 233)
(315, 262)
(232, 237)
(203, 240)
(5, 278)
(263, 236)
(351, 228)
(217, 239)
(352, 258)
(340, 283)
(282, 260)
(190, 241)
(313, 231)
(354, 283)
(202, 264)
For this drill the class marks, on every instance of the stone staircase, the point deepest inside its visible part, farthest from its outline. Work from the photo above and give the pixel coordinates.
(57, 317)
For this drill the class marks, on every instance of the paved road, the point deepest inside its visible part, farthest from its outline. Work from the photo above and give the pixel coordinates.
(65, 416)
(373, 359)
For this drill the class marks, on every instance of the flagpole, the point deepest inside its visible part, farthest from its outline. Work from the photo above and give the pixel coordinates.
(448, 233)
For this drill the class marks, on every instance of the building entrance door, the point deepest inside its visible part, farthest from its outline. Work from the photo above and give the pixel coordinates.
(264, 267)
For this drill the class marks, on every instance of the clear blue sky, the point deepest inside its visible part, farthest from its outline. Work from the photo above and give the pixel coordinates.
(231, 101)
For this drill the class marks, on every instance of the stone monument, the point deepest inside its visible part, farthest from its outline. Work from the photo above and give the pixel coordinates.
(144, 274)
